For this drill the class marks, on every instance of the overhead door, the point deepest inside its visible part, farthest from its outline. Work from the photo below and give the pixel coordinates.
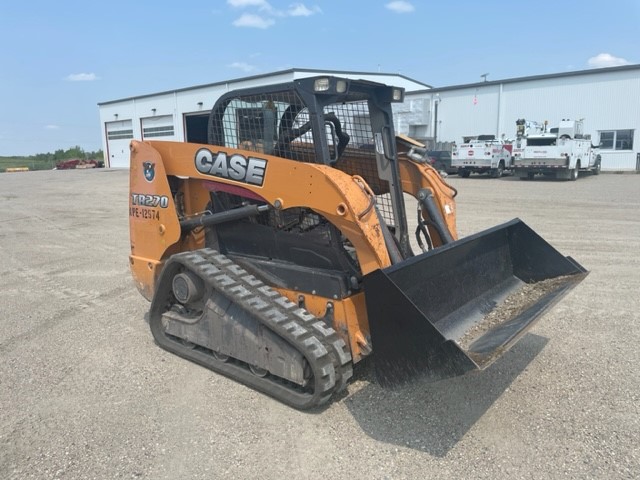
(119, 135)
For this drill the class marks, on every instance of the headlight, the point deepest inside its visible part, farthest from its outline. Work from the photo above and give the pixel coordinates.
(321, 85)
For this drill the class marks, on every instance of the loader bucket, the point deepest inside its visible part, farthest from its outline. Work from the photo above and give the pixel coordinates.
(459, 307)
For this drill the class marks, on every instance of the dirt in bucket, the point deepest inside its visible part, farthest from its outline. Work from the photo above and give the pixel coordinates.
(513, 305)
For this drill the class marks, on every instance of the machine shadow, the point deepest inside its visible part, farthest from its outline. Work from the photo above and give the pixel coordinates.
(434, 416)
(542, 179)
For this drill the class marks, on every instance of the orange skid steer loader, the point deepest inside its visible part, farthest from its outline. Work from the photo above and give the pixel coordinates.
(279, 253)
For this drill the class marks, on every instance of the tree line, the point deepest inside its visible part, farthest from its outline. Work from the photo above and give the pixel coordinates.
(45, 161)
(71, 153)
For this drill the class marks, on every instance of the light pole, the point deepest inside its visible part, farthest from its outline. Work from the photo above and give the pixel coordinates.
(435, 121)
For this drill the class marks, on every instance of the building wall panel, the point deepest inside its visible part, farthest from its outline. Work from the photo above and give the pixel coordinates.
(605, 101)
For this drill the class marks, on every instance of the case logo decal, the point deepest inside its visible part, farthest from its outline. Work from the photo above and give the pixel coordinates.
(237, 167)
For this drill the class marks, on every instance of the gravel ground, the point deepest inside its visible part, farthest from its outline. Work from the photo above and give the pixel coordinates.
(85, 393)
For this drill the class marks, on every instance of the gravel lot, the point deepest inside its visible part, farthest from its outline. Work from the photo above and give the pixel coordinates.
(85, 392)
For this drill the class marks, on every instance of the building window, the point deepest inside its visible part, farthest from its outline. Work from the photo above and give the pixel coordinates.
(616, 139)
(164, 131)
(120, 134)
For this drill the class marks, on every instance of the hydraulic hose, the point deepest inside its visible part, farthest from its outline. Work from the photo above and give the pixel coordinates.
(425, 196)
(222, 217)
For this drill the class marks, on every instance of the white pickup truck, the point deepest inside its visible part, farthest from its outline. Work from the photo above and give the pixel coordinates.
(561, 152)
(482, 154)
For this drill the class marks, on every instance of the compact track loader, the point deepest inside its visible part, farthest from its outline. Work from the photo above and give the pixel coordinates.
(279, 253)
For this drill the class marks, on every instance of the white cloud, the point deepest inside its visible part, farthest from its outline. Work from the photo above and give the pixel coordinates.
(253, 21)
(51, 127)
(82, 77)
(300, 10)
(268, 14)
(606, 60)
(261, 4)
(245, 67)
(400, 6)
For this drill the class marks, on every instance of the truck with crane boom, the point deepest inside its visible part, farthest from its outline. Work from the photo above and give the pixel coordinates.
(560, 152)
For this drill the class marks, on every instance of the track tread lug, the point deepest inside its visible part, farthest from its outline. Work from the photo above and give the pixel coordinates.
(304, 315)
(284, 302)
(276, 316)
(225, 280)
(257, 303)
(315, 347)
(240, 291)
(251, 280)
(237, 270)
(268, 291)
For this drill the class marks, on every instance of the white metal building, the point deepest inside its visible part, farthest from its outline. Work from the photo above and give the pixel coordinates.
(607, 99)
(182, 115)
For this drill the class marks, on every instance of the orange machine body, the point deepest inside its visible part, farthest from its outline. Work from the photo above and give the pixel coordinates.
(345, 200)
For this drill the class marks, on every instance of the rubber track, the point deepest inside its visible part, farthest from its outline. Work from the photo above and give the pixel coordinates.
(319, 344)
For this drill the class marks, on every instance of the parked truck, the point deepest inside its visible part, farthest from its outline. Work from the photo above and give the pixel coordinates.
(560, 152)
(482, 154)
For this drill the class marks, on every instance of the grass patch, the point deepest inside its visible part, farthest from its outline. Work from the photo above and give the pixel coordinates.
(29, 162)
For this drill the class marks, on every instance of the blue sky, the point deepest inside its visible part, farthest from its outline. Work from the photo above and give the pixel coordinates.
(59, 59)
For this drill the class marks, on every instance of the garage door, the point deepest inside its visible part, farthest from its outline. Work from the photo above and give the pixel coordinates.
(119, 135)
(158, 128)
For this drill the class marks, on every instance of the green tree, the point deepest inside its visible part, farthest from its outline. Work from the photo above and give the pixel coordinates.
(58, 155)
(74, 152)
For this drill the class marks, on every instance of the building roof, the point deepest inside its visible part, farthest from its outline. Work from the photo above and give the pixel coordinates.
(593, 71)
(291, 71)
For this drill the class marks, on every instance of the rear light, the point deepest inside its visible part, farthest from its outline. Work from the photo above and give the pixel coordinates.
(432, 160)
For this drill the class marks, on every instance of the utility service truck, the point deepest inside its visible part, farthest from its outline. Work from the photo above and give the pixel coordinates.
(482, 154)
(560, 152)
